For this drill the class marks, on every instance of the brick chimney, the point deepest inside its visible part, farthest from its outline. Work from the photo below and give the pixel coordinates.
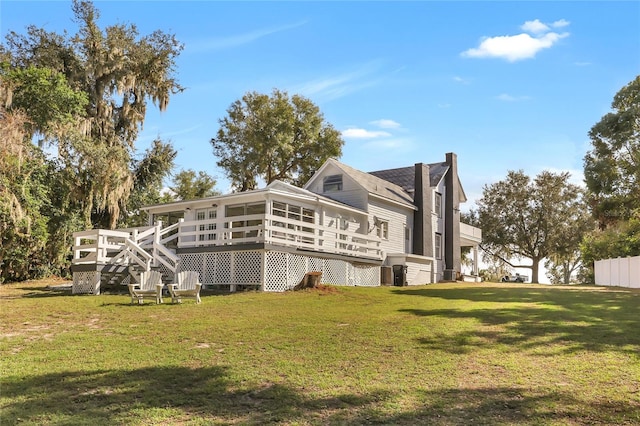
(422, 224)
(452, 220)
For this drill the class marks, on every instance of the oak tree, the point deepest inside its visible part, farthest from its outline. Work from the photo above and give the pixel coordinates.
(523, 218)
(187, 185)
(612, 166)
(273, 137)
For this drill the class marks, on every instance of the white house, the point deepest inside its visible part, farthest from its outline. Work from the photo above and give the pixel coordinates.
(399, 226)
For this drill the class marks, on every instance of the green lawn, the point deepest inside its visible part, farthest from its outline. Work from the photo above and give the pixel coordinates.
(445, 354)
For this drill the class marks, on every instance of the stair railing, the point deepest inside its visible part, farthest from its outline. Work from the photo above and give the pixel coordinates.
(146, 249)
(133, 252)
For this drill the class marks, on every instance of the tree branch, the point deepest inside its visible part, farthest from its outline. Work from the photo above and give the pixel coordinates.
(497, 256)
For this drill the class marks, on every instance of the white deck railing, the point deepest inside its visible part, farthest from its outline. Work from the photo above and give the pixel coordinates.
(98, 245)
(142, 246)
(277, 230)
(148, 246)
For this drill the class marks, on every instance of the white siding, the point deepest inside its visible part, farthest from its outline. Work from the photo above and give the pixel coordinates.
(398, 217)
(418, 273)
(340, 220)
(351, 194)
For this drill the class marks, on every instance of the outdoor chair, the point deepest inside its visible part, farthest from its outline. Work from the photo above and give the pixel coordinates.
(150, 286)
(188, 286)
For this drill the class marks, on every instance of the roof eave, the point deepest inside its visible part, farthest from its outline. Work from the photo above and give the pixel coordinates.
(389, 200)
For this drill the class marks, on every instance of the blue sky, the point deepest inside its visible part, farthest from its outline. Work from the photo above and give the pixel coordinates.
(505, 85)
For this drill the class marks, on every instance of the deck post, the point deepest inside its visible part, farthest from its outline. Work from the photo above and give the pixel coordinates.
(156, 242)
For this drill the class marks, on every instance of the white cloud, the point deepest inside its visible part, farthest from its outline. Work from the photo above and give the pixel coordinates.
(521, 46)
(535, 27)
(355, 133)
(509, 98)
(461, 80)
(219, 43)
(386, 124)
(561, 23)
(337, 86)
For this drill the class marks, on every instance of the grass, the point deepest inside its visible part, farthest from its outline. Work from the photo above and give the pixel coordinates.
(444, 354)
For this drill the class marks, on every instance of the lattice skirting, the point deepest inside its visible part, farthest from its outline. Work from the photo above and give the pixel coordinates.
(86, 282)
(274, 270)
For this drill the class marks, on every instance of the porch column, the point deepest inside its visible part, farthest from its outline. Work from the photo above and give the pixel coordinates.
(475, 261)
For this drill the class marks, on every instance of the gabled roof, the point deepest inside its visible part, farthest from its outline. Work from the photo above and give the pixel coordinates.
(406, 176)
(373, 184)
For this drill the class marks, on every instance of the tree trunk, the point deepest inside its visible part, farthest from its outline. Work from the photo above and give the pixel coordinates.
(535, 267)
(567, 272)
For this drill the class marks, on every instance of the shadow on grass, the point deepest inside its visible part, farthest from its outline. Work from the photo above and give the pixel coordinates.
(166, 395)
(576, 318)
(513, 405)
(119, 397)
(37, 292)
(29, 292)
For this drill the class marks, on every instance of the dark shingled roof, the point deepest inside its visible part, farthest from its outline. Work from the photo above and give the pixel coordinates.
(376, 185)
(404, 177)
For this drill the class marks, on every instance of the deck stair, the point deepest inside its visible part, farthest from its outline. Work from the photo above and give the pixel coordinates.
(109, 259)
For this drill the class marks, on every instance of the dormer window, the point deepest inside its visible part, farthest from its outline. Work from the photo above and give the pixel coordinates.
(332, 183)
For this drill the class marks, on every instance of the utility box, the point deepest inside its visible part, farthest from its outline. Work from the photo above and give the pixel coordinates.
(399, 275)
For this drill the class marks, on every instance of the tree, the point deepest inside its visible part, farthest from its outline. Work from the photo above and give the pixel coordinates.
(119, 72)
(612, 176)
(149, 174)
(45, 96)
(621, 240)
(149, 188)
(35, 219)
(23, 229)
(612, 166)
(189, 186)
(273, 137)
(524, 218)
(566, 259)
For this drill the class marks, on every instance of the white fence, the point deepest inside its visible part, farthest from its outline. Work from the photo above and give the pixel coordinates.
(620, 272)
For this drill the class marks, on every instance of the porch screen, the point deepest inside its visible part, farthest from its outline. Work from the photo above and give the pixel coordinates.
(240, 210)
(294, 214)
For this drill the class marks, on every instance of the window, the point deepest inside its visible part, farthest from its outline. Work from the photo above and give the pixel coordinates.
(207, 216)
(438, 246)
(438, 204)
(244, 210)
(332, 183)
(383, 230)
(294, 214)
